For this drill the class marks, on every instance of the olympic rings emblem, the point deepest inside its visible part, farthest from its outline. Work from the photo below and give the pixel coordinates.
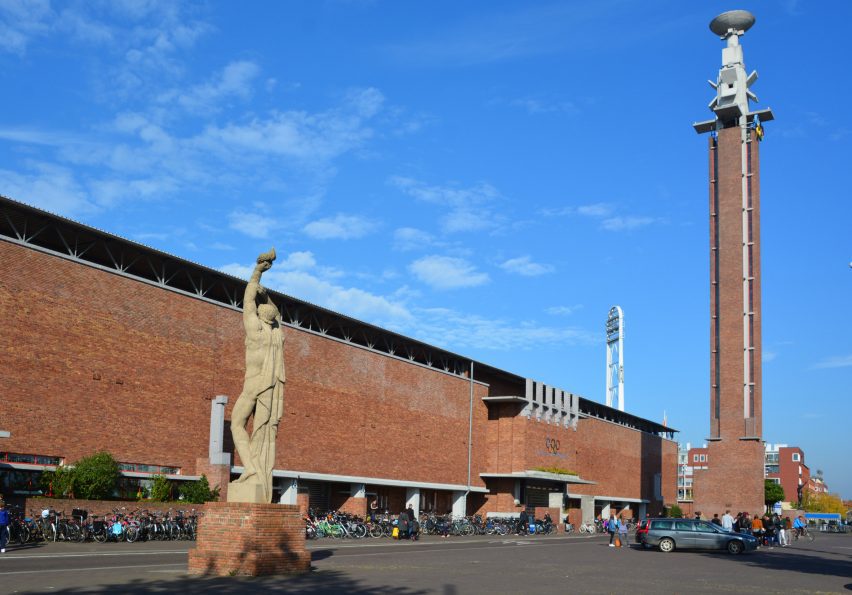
(552, 445)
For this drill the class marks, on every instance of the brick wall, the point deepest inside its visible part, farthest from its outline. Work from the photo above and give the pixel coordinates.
(103, 507)
(127, 366)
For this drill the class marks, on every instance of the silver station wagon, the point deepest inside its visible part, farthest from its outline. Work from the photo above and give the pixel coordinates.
(671, 534)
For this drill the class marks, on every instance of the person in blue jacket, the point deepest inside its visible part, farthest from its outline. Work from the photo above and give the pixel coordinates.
(4, 526)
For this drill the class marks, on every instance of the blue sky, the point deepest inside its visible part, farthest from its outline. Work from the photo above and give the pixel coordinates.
(490, 177)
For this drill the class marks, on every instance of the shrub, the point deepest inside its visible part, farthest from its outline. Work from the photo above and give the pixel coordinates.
(674, 511)
(59, 483)
(161, 489)
(95, 477)
(199, 491)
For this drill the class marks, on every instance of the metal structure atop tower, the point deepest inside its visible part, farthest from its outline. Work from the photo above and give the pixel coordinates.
(731, 104)
(615, 358)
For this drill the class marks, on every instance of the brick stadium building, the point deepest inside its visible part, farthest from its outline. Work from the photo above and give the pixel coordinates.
(111, 345)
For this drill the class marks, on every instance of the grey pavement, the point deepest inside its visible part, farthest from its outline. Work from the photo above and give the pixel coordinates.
(447, 566)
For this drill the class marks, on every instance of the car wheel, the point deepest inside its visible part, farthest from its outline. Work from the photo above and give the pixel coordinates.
(735, 547)
(667, 545)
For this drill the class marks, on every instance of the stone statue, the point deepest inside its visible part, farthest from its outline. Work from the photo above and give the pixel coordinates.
(263, 391)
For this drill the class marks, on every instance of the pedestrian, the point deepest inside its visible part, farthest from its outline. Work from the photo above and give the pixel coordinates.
(728, 521)
(523, 521)
(622, 533)
(781, 528)
(768, 530)
(402, 524)
(374, 509)
(4, 526)
(757, 528)
(612, 527)
(745, 523)
(411, 519)
(697, 515)
(716, 520)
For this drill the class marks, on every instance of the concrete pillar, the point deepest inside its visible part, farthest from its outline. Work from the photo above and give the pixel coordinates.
(643, 510)
(606, 510)
(217, 431)
(412, 498)
(290, 493)
(358, 490)
(587, 507)
(516, 491)
(459, 504)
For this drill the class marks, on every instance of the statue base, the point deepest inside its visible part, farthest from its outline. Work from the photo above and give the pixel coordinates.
(246, 492)
(245, 539)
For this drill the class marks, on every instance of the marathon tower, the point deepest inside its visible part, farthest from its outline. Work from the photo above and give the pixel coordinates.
(733, 479)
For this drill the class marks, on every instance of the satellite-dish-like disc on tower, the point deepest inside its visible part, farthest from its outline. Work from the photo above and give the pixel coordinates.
(738, 20)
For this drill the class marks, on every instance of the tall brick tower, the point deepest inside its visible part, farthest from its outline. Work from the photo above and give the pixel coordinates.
(734, 477)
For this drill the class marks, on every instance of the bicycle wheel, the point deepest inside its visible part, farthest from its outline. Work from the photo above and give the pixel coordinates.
(23, 534)
(359, 531)
(376, 531)
(131, 534)
(100, 535)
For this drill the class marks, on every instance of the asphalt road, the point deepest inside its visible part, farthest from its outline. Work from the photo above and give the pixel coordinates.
(448, 566)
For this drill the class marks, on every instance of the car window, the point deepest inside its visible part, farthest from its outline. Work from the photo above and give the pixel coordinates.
(705, 527)
(666, 525)
(683, 526)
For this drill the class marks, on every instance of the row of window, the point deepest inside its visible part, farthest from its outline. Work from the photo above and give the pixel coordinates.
(30, 459)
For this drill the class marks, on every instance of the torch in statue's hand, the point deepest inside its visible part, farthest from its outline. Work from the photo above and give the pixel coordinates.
(267, 257)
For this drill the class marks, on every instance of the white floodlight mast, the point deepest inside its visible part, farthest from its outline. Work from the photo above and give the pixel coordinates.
(615, 358)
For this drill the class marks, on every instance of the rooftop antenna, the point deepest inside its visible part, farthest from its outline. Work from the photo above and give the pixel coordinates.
(615, 358)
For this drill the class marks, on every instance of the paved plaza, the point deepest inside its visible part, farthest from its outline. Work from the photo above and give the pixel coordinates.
(448, 566)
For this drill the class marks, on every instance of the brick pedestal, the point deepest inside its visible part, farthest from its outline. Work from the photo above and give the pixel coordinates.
(239, 538)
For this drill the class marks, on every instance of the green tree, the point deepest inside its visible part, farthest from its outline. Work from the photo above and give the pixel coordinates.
(59, 483)
(199, 491)
(772, 492)
(161, 489)
(96, 476)
(674, 511)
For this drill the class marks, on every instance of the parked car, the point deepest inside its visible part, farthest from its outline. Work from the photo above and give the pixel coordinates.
(671, 534)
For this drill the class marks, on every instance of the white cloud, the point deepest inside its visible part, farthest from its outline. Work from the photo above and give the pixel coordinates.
(837, 361)
(297, 261)
(524, 265)
(340, 227)
(456, 330)
(409, 238)
(444, 272)
(768, 356)
(352, 301)
(626, 223)
(600, 209)
(469, 208)
(563, 310)
(235, 80)
(21, 21)
(297, 134)
(539, 106)
(254, 225)
(51, 187)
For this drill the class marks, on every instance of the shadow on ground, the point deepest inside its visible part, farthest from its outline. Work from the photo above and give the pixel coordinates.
(323, 582)
(796, 560)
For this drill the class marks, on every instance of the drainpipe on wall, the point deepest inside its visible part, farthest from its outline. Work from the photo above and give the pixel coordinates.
(469, 435)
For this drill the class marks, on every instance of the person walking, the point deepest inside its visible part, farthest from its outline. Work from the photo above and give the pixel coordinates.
(757, 528)
(728, 521)
(411, 519)
(612, 527)
(622, 533)
(781, 528)
(523, 522)
(716, 520)
(4, 526)
(402, 524)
